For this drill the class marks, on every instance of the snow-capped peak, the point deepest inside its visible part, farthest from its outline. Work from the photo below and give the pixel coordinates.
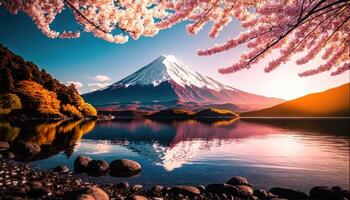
(168, 68)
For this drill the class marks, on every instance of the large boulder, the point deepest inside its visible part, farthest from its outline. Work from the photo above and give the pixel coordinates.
(238, 180)
(88, 193)
(322, 193)
(97, 167)
(185, 190)
(221, 188)
(80, 163)
(124, 167)
(289, 193)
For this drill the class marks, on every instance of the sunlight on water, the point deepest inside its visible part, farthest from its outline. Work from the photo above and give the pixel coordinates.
(295, 153)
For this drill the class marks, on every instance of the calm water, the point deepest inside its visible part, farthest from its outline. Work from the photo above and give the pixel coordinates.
(296, 153)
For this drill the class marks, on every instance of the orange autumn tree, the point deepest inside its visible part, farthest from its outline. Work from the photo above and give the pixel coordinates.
(37, 99)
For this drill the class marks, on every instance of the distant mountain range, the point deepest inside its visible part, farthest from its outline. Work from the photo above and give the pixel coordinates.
(167, 83)
(334, 102)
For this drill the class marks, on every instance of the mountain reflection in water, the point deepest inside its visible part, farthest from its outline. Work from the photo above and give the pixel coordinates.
(296, 153)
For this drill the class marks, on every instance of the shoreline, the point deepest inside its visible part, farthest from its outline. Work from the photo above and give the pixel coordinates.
(22, 181)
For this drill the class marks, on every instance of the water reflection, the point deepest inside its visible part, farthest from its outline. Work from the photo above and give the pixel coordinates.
(53, 137)
(296, 153)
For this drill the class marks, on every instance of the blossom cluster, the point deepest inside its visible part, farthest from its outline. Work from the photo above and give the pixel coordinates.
(288, 27)
(285, 28)
(100, 17)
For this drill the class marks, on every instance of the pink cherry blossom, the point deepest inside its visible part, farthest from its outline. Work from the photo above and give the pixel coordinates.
(308, 29)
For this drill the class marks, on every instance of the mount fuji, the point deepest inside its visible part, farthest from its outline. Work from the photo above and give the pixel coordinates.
(167, 83)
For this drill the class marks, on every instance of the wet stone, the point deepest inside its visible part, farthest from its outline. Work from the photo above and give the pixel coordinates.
(289, 193)
(123, 185)
(137, 188)
(222, 188)
(322, 193)
(238, 180)
(80, 163)
(124, 167)
(185, 190)
(261, 194)
(61, 169)
(4, 145)
(97, 167)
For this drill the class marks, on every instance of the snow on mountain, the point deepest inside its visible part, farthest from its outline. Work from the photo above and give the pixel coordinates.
(174, 157)
(167, 83)
(168, 68)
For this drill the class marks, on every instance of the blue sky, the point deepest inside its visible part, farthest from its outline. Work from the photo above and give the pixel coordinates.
(84, 58)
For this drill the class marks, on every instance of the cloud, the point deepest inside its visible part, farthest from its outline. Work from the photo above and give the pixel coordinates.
(96, 86)
(101, 78)
(77, 84)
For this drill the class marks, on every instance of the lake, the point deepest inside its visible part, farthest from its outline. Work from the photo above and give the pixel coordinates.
(295, 153)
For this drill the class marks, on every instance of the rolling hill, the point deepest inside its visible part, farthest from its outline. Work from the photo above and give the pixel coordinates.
(334, 102)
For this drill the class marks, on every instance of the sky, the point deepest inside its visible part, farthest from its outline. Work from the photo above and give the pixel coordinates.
(92, 63)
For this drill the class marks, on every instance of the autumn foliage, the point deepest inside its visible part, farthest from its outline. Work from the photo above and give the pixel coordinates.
(71, 111)
(37, 99)
(22, 84)
(9, 102)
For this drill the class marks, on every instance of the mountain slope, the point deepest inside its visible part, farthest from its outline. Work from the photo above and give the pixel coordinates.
(330, 103)
(27, 90)
(167, 80)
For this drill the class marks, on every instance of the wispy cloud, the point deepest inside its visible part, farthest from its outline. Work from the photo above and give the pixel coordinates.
(99, 81)
(77, 84)
(101, 78)
(96, 86)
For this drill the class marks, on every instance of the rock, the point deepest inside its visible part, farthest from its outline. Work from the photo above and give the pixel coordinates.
(80, 163)
(261, 194)
(16, 191)
(36, 188)
(61, 169)
(322, 193)
(336, 189)
(88, 193)
(289, 193)
(8, 155)
(156, 190)
(245, 190)
(238, 180)
(123, 185)
(137, 188)
(97, 167)
(124, 167)
(4, 145)
(137, 197)
(85, 197)
(221, 188)
(201, 188)
(345, 193)
(185, 190)
(26, 149)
